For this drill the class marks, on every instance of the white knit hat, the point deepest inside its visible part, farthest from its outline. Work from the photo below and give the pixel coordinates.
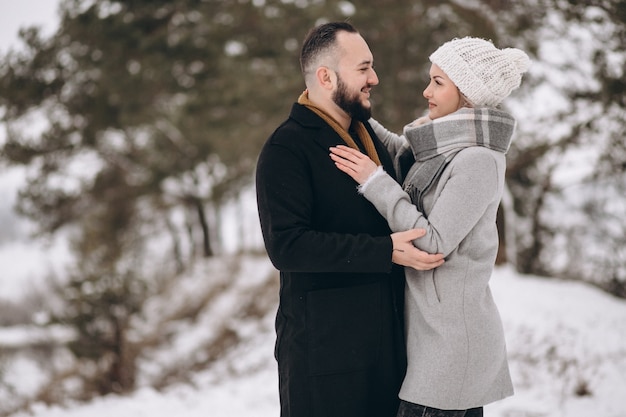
(484, 74)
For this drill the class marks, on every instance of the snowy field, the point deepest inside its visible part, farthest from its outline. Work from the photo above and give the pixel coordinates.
(567, 348)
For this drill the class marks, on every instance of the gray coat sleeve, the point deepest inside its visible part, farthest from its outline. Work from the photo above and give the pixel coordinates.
(467, 187)
(392, 141)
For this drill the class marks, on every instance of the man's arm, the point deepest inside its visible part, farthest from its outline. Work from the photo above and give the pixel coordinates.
(406, 254)
(286, 200)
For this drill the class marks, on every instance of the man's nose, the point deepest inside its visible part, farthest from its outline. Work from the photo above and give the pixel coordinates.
(373, 79)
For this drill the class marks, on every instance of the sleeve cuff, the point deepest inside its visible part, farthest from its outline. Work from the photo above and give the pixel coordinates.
(362, 187)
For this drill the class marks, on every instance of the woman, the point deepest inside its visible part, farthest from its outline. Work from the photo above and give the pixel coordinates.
(452, 165)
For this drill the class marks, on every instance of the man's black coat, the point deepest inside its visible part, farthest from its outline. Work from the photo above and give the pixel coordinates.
(339, 344)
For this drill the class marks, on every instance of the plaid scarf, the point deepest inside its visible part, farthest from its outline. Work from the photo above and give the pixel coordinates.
(361, 131)
(433, 145)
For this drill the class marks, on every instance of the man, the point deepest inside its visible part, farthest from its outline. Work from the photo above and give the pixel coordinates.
(340, 346)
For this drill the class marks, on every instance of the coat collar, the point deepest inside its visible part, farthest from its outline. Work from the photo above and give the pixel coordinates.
(306, 117)
(327, 136)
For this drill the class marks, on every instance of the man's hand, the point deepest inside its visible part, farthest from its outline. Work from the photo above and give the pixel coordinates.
(404, 253)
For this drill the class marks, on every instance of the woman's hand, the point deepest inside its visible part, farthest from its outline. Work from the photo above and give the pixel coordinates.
(354, 163)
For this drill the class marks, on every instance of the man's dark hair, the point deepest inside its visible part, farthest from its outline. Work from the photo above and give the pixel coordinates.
(319, 40)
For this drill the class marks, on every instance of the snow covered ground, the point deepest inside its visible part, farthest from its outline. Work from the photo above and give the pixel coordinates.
(567, 348)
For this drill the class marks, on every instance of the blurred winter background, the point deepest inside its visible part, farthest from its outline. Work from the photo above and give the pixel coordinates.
(133, 279)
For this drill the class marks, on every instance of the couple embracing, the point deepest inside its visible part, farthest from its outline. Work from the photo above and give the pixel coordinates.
(385, 243)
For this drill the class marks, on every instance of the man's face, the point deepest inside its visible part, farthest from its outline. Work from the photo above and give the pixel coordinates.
(355, 77)
(351, 102)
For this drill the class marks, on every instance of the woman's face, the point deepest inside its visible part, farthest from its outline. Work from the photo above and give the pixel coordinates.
(442, 95)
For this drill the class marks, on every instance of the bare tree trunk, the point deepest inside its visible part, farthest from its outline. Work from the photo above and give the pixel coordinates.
(529, 259)
(178, 256)
(122, 371)
(206, 238)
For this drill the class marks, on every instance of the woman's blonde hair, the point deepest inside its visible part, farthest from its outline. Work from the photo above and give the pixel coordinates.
(464, 101)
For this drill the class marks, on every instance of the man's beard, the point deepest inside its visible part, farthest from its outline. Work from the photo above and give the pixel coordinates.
(350, 103)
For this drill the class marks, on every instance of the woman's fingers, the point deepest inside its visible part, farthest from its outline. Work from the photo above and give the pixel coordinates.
(347, 153)
(354, 163)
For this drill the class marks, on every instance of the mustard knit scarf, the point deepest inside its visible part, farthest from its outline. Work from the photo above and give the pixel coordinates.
(361, 131)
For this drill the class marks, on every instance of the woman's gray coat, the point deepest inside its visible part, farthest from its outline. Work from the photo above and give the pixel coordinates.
(455, 341)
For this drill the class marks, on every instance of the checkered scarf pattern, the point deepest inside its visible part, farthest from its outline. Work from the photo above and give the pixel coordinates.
(433, 145)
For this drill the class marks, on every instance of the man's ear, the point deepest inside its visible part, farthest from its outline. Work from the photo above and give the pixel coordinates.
(326, 77)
